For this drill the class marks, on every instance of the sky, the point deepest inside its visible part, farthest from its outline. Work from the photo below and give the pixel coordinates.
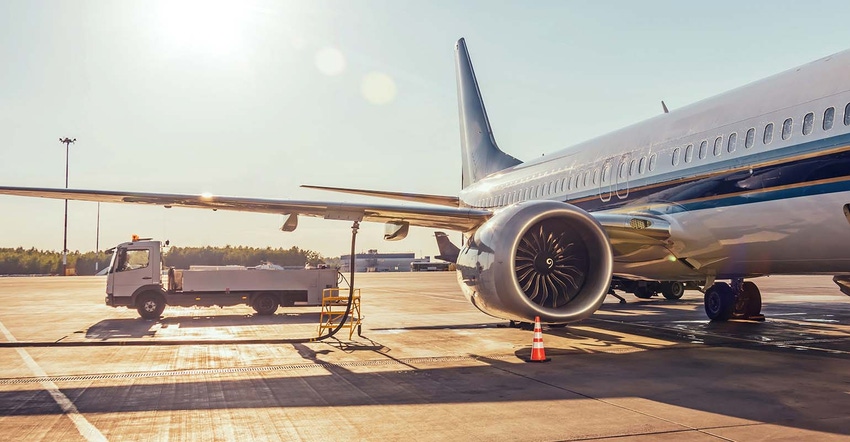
(255, 98)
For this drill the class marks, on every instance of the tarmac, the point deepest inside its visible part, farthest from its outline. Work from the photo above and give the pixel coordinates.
(428, 366)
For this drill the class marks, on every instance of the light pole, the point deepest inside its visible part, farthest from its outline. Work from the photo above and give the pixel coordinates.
(67, 142)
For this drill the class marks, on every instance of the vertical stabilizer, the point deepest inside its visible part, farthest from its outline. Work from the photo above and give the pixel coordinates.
(448, 251)
(481, 155)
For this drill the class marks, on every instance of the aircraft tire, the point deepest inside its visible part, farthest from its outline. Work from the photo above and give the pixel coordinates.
(719, 302)
(150, 305)
(753, 307)
(643, 292)
(673, 289)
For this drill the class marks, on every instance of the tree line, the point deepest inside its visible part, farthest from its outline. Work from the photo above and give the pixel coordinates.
(183, 257)
(20, 261)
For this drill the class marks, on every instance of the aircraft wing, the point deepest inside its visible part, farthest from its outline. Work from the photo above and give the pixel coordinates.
(452, 218)
(624, 231)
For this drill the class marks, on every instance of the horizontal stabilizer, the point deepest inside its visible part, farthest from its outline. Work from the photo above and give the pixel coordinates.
(450, 201)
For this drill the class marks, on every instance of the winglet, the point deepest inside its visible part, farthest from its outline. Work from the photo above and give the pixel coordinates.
(480, 154)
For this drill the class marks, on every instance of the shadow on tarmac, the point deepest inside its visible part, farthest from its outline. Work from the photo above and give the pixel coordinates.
(139, 328)
(740, 383)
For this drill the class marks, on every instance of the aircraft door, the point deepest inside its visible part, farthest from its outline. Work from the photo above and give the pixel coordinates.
(622, 177)
(606, 181)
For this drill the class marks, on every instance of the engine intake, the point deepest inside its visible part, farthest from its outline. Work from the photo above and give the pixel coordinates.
(537, 258)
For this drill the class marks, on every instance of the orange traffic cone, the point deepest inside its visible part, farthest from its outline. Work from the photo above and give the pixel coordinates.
(538, 353)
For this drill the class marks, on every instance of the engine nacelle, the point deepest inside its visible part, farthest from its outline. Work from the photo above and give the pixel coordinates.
(537, 258)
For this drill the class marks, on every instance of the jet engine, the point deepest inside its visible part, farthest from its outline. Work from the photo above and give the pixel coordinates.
(537, 258)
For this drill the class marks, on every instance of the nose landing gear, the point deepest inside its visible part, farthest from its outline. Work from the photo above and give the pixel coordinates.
(741, 300)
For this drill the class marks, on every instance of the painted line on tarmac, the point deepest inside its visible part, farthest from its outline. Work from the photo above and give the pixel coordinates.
(86, 429)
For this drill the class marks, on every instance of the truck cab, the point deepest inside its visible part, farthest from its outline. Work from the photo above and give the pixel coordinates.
(136, 267)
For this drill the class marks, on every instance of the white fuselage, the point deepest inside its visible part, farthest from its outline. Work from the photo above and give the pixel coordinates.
(740, 202)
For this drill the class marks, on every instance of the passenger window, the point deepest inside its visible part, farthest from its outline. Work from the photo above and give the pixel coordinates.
(549, 189)
(751, 135)
(622, 170)
(703, 148)
(733, 142)
(828, 118)
(676, 156)
(586, 176)
(808, 122)
(652, 159)
(642, 165)
(768, 133)
(847, 115)
(605, 171)
(689, 153)
(595, 176)
(718, 146)
(786, 128)
(632, 168)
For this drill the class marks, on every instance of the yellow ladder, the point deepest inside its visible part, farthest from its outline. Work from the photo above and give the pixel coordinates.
(333, 310)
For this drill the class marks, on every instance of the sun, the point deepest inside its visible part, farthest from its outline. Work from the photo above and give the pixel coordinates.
(212, 26)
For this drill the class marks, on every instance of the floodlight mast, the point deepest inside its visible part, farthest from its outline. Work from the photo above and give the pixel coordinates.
(67, 142)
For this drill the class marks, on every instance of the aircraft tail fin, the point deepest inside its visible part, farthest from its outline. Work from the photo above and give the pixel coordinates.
(480, 154)
(448, 251)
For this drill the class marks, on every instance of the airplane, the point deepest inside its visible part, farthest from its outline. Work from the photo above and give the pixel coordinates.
(748, 183)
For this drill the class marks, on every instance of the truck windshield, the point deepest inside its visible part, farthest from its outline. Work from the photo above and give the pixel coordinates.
(130, 260)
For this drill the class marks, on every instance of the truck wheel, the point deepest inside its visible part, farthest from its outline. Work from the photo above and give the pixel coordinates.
(265, 304)
(150, 305)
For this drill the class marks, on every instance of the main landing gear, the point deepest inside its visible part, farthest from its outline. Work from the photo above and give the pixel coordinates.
(740, 300)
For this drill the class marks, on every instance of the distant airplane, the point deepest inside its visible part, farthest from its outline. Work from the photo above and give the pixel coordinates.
(752, 182)
(448, 251)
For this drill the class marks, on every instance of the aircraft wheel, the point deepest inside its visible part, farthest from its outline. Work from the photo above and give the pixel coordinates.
(673, 289)
(751, 291)
(265, 304)
(150, 305)
(719, 302)
(643, 292)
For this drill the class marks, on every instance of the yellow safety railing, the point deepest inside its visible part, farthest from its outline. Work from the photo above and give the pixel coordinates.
(333, 310)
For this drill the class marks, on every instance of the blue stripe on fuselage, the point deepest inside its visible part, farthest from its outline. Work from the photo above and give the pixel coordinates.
(747, 183)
